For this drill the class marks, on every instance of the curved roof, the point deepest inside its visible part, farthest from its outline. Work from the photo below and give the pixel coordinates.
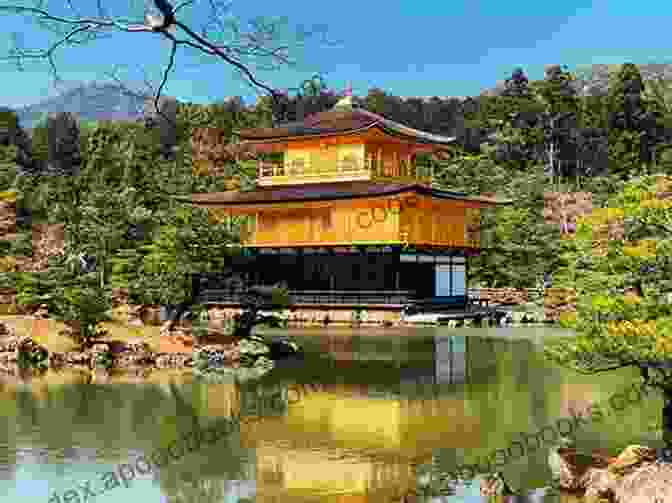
(340, 120)
(327, 191)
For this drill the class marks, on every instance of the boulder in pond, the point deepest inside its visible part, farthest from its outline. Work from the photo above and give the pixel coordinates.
(637, 475)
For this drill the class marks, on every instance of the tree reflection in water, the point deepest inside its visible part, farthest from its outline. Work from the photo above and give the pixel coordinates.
(204, 476)
(119, 423)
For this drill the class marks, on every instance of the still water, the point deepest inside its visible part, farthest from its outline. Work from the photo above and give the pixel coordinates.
(361, 419)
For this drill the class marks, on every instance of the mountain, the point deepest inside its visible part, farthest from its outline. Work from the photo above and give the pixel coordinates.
(91, 102)
(593, 80)
(107, 101)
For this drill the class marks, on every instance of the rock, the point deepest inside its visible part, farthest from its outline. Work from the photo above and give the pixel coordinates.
(135, 315)
(138, 346)
(166, 328)
(119, 297)
(27, 345)
(42, 312)
(650, 483)
(177, 343)
(150, 315)
(635, 476)
(100, 348)
(57, 359)
(8, 356)
(633, 455)
(72, 329)
(5, 330)
(9, 344)
(77, 358)
(219, 353)
(133, 359)
(173, 360)
(131, 353)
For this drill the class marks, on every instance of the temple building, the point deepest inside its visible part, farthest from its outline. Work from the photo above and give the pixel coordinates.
(348, 220)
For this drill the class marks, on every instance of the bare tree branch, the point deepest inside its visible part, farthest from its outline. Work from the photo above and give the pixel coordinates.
(91, 23)
(258, 44)
(182, 4)
(79, 30)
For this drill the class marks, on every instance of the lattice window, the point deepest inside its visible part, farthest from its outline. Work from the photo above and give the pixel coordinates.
(297, 167)
(326, 221)
(349, 163)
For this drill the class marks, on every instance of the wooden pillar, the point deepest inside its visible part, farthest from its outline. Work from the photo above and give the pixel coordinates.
(466, 275)
(302, 269)
(381, 164)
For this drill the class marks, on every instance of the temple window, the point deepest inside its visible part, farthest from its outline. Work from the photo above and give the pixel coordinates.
(297, 167)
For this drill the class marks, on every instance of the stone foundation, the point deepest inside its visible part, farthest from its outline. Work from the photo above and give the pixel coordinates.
(504, 295)
(219, 315)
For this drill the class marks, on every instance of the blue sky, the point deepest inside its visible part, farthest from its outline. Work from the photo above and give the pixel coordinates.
(409, 48)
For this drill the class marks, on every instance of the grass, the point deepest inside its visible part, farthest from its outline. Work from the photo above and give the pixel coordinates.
(8, 195)
(53, 341)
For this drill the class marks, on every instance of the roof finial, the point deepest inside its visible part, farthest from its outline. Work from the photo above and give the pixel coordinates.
(345, 103)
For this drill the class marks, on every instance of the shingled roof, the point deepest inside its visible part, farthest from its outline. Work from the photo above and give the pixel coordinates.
(343, 118)
(326, 191)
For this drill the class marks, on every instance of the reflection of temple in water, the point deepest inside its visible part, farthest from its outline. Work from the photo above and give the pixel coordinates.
(355, 430)
(448, 356)
(7, 470)
(450, 359)
(342, 440)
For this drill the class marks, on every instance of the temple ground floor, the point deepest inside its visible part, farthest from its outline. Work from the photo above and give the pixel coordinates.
(332, 283)
(417, 274)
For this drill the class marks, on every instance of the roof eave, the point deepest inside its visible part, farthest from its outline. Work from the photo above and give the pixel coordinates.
(280, 139)
(418, 188)
(438, 142)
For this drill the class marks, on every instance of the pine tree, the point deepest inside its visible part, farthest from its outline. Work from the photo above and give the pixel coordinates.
(632, 128)
(63, 148)
(559, 120)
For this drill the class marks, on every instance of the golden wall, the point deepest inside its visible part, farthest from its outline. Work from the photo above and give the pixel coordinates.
(442, 222)
(406, 218)
(341, 223)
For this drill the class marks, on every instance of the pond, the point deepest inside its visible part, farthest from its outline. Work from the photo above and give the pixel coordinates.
(362, 418)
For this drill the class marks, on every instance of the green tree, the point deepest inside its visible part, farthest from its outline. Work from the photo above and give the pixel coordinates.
(518, 246)
(623, 317)
(73, 296)
(559, 120)
(631, 125)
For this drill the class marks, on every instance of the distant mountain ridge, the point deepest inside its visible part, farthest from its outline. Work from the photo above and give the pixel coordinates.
(107, 101)
(90, 102)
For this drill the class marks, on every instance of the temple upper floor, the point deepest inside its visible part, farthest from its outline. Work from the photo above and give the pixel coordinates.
(343, 144)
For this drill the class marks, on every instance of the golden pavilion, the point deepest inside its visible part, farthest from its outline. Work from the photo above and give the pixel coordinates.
(348, 220)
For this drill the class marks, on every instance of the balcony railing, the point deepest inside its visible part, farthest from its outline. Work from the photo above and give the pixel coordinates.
(316, 170)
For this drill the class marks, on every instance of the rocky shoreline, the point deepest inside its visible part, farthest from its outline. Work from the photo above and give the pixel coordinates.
(229, 357)
(637, 475)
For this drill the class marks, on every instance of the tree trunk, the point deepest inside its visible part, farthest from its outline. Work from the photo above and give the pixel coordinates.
(667, 418)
